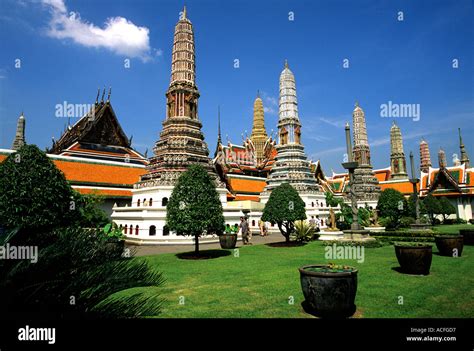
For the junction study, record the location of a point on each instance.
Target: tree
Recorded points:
(75, 271)
(446, 208)
(284, 207)
(194, 206)
(75, 277)
(34, 193)
(432, 207)
(392, 205)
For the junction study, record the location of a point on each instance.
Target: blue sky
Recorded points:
(70, 48)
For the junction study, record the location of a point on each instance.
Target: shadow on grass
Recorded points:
(285, 244)
(203, 255)
(399, 270)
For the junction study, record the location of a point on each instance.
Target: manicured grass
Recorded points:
(452, 228)
(262, 280)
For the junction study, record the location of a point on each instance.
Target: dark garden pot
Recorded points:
(228, 241)
(414, 259)
(329, 294)
(450, 245)
(468, 235)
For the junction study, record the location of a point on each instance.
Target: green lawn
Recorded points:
(452, 228)
(263, 280)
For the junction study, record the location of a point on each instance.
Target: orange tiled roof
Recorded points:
(382, 175)
(405, 187)
(87, 172)
(105, 192)
(99, 173)
(247, 185)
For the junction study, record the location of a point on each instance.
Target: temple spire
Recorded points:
(19, 140)
(397, 155)
(425, 158)
(184, 11)
(97, 97)
(103, 94)
(464, 155)
(259, 134)
(291, 164)
(110, 93)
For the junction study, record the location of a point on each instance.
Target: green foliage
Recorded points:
(75, 276)
(367, 244)
(194, 206)
(411, 203)
(112, 231)
(392, 205)
(446, 208)
(304, 231)
(363, 216)
(34, 193)
(432, 207)
(344, 217)
(331, 200)
(406, 221)
(90, 215)
(284, 207)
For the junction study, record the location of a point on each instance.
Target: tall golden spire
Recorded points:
(259, 134)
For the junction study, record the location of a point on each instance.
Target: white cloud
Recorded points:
(270, 104)
(118, 34)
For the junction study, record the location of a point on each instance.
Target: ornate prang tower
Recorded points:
(464, 156)
(181, 141)
(259, 134)
(425, 158)
(291, 165)
(397, 156)
(365, 185)
(19, 140)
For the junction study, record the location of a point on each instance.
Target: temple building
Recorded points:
(397, 156)
(19, 140)
(180, 145)
(456, 183)
(98, 135)
(291, 165)
(365, 184)
(90, 167)
(244, 168)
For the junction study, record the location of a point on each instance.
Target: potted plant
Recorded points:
(414, 258)
(114, 237)
(449, 245)
(468, 235)
(228, 239)
(329, 290)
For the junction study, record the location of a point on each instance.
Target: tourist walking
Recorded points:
(244, 228)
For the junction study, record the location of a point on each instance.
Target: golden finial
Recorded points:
(184, 11)
(286, 63)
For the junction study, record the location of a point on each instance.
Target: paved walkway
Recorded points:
(147, 250)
